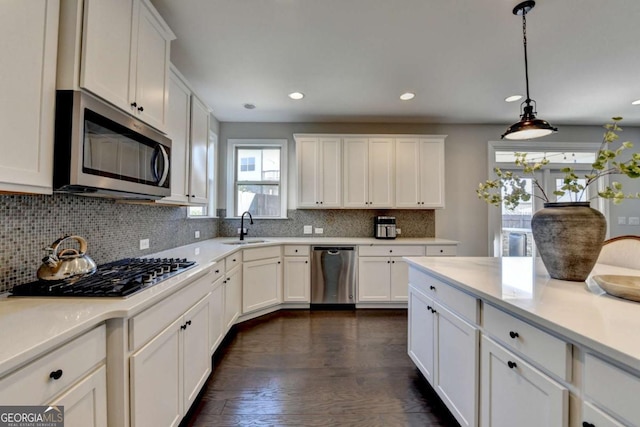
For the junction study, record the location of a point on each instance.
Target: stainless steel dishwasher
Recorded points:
(333, 275)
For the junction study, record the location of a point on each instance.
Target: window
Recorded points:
(257, 176)
(208, 210)
(510, 231)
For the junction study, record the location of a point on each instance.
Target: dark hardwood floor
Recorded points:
(319, 368)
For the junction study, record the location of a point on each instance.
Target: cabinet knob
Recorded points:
(588, 424)
(134, 104)
(441, 250)
(393, 262)
(511, 364)
(390, 251)
(278, 262)
(429, 308)
(188, 322)
(234, 260)
(193, 195)
(513, 335)
(433, 288)
(317, 203)
(306, 262)
(320, 202)
(140, 109)
(388, 262)
(56, 375)
(183, 327)
(296, 251)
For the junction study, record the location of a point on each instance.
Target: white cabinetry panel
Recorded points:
(29, 31)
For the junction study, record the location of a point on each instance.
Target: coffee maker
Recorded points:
(384, 227)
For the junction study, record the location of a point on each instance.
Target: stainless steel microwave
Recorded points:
(101, 151)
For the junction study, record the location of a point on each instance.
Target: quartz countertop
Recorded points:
(30, 326)
(579, 311)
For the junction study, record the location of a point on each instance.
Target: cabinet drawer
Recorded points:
(217, 270)
(548, 351)
(442, 250)
(296, 250)
(34, 384)
(460, 302)
(391, 250)
(152, 321)
(232, 260)
(260, 253)
(612, 388)
(593, 416)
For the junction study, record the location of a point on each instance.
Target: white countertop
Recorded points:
(31, 326)
(580, 311)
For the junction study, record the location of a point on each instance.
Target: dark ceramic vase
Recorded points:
(568, 238)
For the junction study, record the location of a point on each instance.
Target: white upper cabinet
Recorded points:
(178, 123)
(29, 34)
(319, 172)
(420, 173)
(118, 50)
(199, 171)
(368, 172)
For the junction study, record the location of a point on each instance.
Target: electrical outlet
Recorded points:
(398, 231)
(197, 251)
(308, 229)
(144, 244)
(197, 234)
(244, 230)
(319, 230)
(634, 220)
(622, 220)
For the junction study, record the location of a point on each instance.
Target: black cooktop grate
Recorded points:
(116, 279)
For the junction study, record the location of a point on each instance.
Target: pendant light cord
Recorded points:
(526, 62)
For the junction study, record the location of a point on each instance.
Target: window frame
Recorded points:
(232, 149)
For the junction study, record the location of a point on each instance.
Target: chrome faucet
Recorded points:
(242, 233)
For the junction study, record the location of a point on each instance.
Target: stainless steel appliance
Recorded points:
(101, 151)
(384, 227)
(333, 275)
(121, 278)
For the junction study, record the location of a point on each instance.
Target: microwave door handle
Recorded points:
(165, 169)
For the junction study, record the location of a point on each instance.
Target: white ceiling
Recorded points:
(353, 58)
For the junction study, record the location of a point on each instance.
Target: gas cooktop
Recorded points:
(121, 278)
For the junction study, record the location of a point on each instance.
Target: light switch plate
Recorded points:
(634, 220)
(319, 230)
(308, 229)
(622, 220)
(398, 231)
(197, 234)
(144, 244)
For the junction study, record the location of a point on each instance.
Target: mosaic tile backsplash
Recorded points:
(334, 222)
(112, 230)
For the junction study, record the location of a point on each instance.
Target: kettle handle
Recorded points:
(83, 244)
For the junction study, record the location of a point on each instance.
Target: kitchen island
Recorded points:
(504, 344)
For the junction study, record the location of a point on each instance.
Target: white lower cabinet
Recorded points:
(232, 297)
(85, 404)
(261, 278)
(594, 417)
(514, 393)
(297, 279)
(169, 371)
(216, 314)
(445, 349)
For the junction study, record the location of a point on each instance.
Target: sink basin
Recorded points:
(245, 242)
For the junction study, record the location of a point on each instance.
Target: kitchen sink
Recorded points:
(246, 242)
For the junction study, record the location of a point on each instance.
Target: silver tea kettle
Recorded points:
(66, 263)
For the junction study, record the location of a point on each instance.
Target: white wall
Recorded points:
(465, 216)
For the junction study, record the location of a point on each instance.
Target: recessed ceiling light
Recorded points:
(296, 95)
(636, 102)
(407, 96)
(249, 106)
(513, 98)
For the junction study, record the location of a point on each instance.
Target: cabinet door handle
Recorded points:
(188, 322)
(56, 375)
(217, 271)
(587, 424)
(433, 288)
(140, 108)
(513, 335)
(134, 104)
(429, 308)
(512, 364)
(183, 327)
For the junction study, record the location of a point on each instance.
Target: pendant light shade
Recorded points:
(529, 126)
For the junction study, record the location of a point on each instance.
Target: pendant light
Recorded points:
(529, 126)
